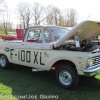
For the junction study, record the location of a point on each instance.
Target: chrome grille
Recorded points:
(96, 51)
(97, 60)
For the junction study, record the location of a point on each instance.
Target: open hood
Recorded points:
(85, 30)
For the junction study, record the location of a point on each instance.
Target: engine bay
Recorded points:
(85, 46)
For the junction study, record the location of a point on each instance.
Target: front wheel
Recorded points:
(67, 77)
(4, 63)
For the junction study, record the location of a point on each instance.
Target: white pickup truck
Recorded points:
(70, 53)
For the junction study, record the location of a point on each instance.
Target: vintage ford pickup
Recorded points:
(70, 53)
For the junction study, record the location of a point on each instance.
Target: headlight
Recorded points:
(90, 62)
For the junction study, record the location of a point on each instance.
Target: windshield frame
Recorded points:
(55, 33)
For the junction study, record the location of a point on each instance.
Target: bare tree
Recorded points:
(73, 19)
(38, 13)
(5, 20)
(24, 13)
(21, 9)
(54, 15)
(28, 14)
(50, 18)
(5, 17)
(70, 17)
(61, 18)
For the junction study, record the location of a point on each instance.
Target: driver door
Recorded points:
(30, 51)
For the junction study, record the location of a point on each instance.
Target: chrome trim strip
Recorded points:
(91, 70)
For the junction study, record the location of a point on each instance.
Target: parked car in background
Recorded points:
(96, 40)
(18, 35)
(9, 37)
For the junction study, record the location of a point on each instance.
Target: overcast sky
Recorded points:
(86, 9)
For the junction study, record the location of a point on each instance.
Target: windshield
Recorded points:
(54, 34)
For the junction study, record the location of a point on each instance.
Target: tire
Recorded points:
(4, 63)
(67, 77)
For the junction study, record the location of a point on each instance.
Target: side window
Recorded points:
(35, 35)
(47, 36)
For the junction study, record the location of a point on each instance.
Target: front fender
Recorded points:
(2, 52)
(57, 58)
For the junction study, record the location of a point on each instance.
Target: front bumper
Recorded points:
(91, 72)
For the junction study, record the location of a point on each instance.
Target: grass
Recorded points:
(21, 84)
(2, 32)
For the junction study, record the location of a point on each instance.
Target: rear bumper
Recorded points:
(92, 72)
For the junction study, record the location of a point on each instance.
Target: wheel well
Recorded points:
(59, 63)
(4, 55)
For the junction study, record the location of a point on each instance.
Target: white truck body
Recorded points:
(43, 52)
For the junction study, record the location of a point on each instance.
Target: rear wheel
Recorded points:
(67, 77)
(4, 63)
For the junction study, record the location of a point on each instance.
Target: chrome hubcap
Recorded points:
(65, 77)
(2, 61)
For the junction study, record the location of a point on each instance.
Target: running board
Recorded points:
(36, 70)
